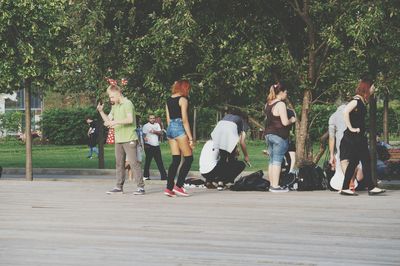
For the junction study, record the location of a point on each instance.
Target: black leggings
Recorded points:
(173, 169)
(355, 150)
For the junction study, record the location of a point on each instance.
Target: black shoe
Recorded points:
(376, 191)
(146, 178)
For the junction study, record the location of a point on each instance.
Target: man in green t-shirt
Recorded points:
(123, 119)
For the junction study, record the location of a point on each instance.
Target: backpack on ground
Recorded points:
(311, 177)
(194, 181)
(252, 182)
(288, 180)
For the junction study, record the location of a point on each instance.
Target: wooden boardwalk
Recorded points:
(75, 223)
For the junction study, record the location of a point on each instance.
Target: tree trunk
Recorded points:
(28, 134)
(302, 128)
(372, 137)
(322, 147)
(385, 117)
(101, 142)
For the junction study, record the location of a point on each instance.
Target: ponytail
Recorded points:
(271, 95)
(274, 90)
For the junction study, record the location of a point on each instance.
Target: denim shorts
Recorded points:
(277, 147)
(175, 128)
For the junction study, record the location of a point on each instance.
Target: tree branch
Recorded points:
(296, 7)
(320, 46)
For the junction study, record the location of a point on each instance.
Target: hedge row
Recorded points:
(66, 126)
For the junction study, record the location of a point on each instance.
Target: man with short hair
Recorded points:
(122, 119)
(151, 132)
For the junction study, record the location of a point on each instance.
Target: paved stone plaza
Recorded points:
(73, 222)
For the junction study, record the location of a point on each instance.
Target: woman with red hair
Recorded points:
(179, 138)
(354, 144)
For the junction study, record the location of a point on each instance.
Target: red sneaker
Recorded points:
(180, 191)
(169, 193)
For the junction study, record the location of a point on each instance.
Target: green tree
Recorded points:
(98, 35)
(30, 39)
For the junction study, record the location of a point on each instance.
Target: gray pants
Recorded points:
(127, 151)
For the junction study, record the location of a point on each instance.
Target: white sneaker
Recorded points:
(220, 186)
(278, 189)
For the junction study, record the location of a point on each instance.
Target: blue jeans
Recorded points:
(277, 147)
(93, 149)
(175, 128)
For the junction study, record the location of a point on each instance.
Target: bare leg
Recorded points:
(275, 174)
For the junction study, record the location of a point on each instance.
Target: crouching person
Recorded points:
(219, 168)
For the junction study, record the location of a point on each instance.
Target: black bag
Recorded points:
(194, 181)
(311, 177)
(252, 182)
(288, 180)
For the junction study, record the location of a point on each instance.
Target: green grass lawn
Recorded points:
(12, 154)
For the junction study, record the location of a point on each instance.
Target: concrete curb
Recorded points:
(83, 172)
(104, 173)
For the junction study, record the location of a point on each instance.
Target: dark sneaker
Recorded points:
(146, 178)
(376, 191)
(278, 189)
(115, 191)
(139, 191)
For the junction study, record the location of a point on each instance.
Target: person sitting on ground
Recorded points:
(215, 170)
(382, 156)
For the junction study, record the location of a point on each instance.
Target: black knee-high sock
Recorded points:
(173, 168)
(184, 170)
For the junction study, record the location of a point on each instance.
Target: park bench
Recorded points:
(393, 164)
(394, 155)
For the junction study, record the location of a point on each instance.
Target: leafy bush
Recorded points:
(320, 116)
(66, 126)
(11, 121)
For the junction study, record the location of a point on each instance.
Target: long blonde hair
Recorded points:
(274, 90)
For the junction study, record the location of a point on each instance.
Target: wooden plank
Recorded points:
(76, 223)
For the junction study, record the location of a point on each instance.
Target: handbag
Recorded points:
(110, 136)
